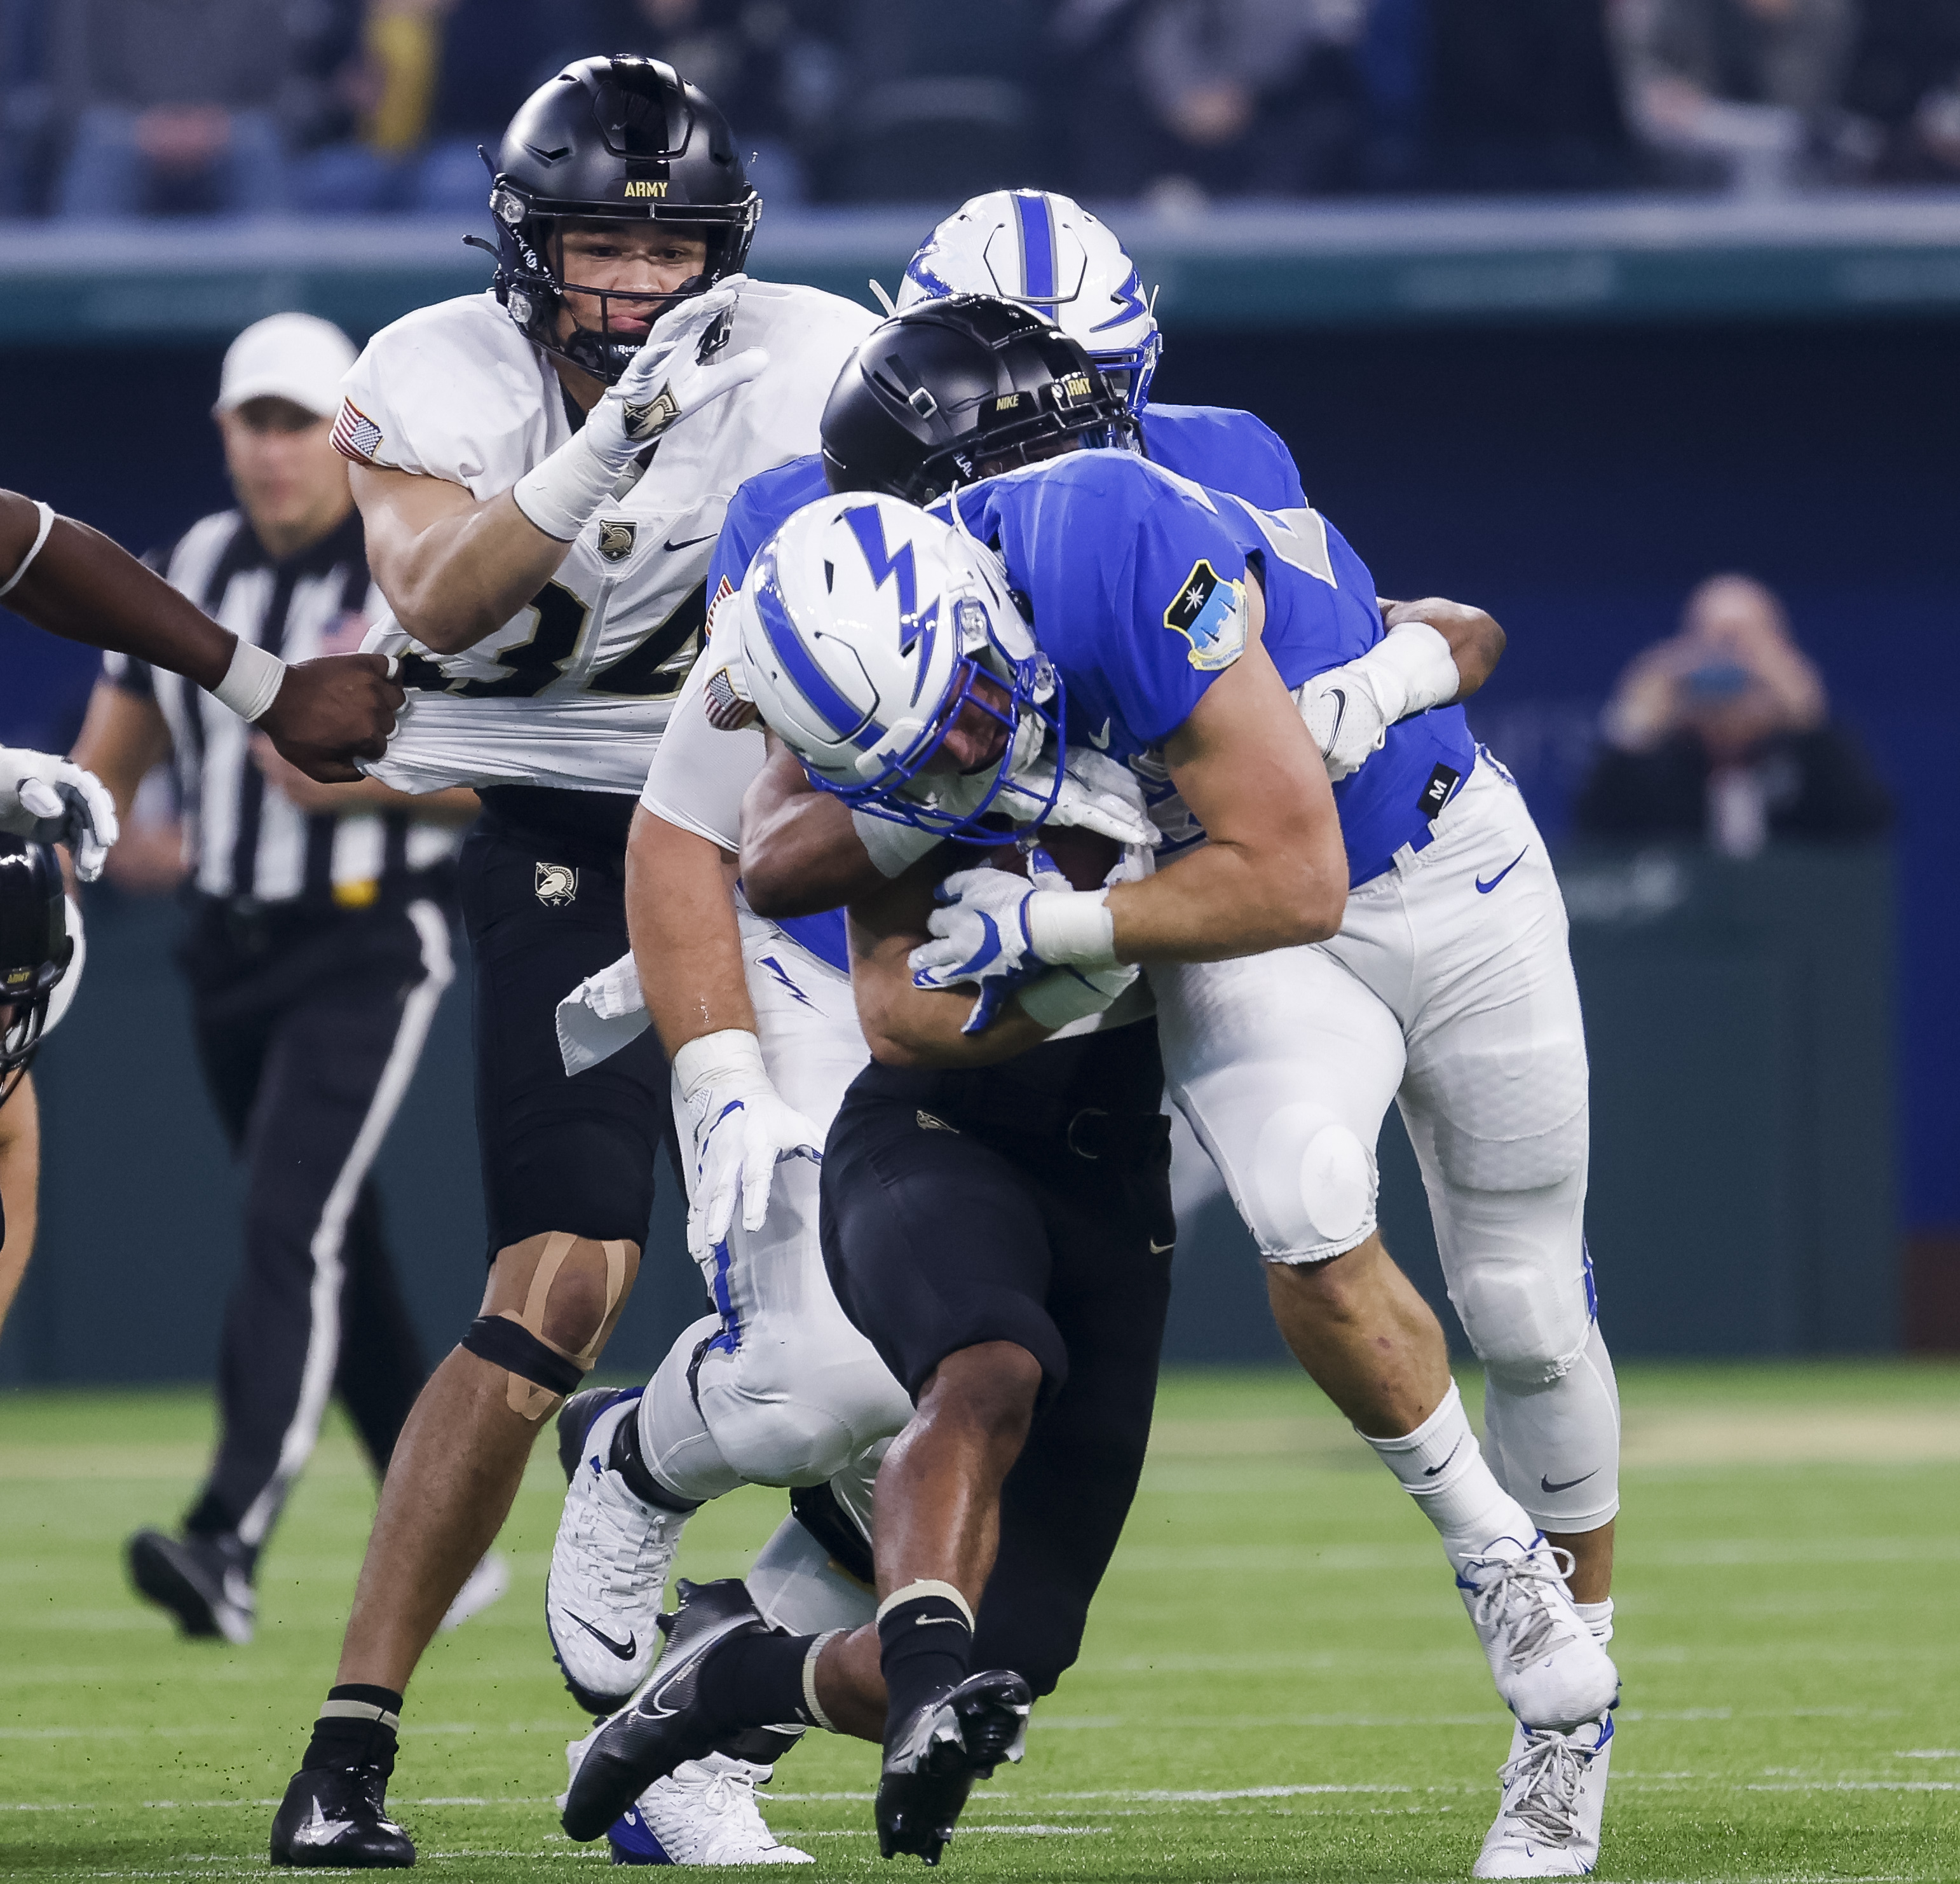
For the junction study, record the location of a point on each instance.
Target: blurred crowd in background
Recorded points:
(118, 108)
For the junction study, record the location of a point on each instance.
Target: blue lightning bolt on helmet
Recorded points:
(1049, 253)
(866, 627)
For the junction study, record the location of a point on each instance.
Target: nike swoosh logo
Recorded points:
(1341, 713)
(1163, 1248)
(626, 1650)
(1485, 889)
(670, 546)
(1429, 1472)
(1547, 1484)
(1100, 740)
(926, 1623)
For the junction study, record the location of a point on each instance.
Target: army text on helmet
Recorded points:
(952, 386)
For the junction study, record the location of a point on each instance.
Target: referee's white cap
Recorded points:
(298, 357)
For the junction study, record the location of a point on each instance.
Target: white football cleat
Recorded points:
(608, 1571)
(488, 1583)
(703, 1812)
(1555, 1796)
(1548, 1669)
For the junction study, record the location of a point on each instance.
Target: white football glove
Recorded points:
(742, 1129)
(48, 801)
(665, 382)
(1342, 719)
(1097, 793)
(1349, 709)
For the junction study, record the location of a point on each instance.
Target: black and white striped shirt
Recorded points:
(242, 838)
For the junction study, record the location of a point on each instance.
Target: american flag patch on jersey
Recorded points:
(355, 435)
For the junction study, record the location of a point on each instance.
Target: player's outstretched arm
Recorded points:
(84, 588)
(321, 715)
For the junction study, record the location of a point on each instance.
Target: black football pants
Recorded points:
(308, 1028)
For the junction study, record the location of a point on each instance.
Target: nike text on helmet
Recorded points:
(35, 949)
(1049, 253)
(865, 627)
(934, 394)
(620, 140)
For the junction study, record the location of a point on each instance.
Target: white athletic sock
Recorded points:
(1441, 1466)
(1598, 1618)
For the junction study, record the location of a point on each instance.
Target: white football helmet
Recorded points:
(864, 623)
(1049, 253)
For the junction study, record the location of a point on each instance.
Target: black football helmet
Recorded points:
(35, 951)
(625, 140)
(950, 385)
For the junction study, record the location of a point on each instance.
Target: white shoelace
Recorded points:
(1547, 1773)
(1519, 1593)
(629, 1538)
(726, 1797)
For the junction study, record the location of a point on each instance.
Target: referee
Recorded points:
(317, 950)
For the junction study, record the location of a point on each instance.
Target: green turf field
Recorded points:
(1279, 1681)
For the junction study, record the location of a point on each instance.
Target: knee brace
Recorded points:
(574, 1288)
(1316, 1183)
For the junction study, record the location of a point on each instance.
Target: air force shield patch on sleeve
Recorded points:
(1209, 612)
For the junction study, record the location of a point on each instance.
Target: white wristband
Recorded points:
(1412, 669)
(893, 847)
(717, 1059)
(253, 681)
(562, 495)
(1073, 926)
(47, 511)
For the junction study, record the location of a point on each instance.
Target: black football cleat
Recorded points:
(205, 1582)
(665, 1723)
(338, 1815)
(931, 1763)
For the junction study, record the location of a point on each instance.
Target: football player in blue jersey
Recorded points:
(1439, 990)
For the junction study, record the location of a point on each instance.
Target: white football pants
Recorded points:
(778, 1388)
(1450, 989)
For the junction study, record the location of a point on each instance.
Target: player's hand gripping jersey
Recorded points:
(1135, 580)
(573, 691)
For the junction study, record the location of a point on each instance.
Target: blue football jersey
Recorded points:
(1134, 579)
(1229, 449)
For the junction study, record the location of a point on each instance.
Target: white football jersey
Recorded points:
(574, 690)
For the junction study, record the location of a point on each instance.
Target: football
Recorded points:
(1085, 857)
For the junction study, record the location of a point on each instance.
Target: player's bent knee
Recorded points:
(1526, 1334)
(550, 1303)
(1316, 1188)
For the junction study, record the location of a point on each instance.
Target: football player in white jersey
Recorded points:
(541, 471)
(1449, 989)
